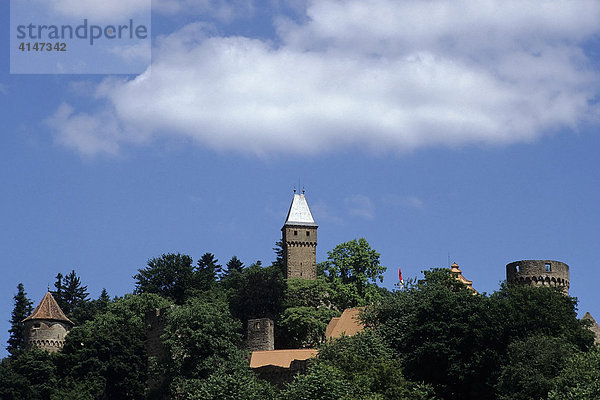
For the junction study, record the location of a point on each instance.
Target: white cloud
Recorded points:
(374, 74)
(360, 206)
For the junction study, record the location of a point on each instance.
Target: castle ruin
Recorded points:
(539, 273)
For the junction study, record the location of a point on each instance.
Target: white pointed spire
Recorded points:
(299, 213)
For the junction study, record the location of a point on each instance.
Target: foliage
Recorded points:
(369, 365)
(443, 334)
(108, 353)
(458, 342)
(72, 297)
(580, 378)
(204, 358)
(307, 293)
(532, 365)
(260, 293)
(206, 273)
(28, 375)
(170, 275)
(322, 382)
(526, 311)
(353, 268)
(233, 267)
(240, 384)
(22, 309)
(305, 326)
(357, 367)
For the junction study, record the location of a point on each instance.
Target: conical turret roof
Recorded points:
(299, 213)
(48, 309)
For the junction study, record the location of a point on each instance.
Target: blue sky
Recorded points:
(433, 129)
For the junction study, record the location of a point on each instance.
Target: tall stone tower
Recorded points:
(539, 273)
(47, 326)
(300, 240)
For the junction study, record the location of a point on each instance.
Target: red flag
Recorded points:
(400, 274)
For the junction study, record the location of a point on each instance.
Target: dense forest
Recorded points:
(431, 338)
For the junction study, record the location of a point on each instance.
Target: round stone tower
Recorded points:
(539, 273)
(47, 326)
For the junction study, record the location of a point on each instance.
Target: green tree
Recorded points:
(170, 275)
(30, 375)
(22, 309)
(234, 264)
(307, 311)
(204, 360)
(370, 367)
(526, 311)
(207, 271)
(532, 365)
(458, 342)
(304, 326)
(108, 353)
(74, 293)
(260, 293)
(73, 298)
(443, 334)
(580, 378)
(353, 268)
(279, 262)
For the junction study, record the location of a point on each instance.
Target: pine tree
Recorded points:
(74, 293)
(58, 293)
(207, 271)
(102, 301)
(234, 265)
(23, 308)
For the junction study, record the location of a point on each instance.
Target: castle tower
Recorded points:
(457, 274)
(261, 336)
(300, 240)
(47, 326)
(539, 273)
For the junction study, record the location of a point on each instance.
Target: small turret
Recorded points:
(47, 326)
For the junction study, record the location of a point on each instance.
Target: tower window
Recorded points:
(307, 233)
(37, 325)
(295, 233)
(548, 267)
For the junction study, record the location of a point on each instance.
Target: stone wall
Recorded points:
(300, 251)
(279, 375)
(539, 273)
(46, 335)
(260, 335)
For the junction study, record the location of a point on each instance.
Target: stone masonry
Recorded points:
(539, 273)
(260, 335)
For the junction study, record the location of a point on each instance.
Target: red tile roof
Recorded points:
(280, 358)
(48, 309)
(347, 324)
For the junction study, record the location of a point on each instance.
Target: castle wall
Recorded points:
(46, 335)
(260, 335)
(300, 248)
(538, 273)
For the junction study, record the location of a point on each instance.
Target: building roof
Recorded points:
(49, 310)
(280, 358)
(457, 273)
(347, 324)
(299, 213)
